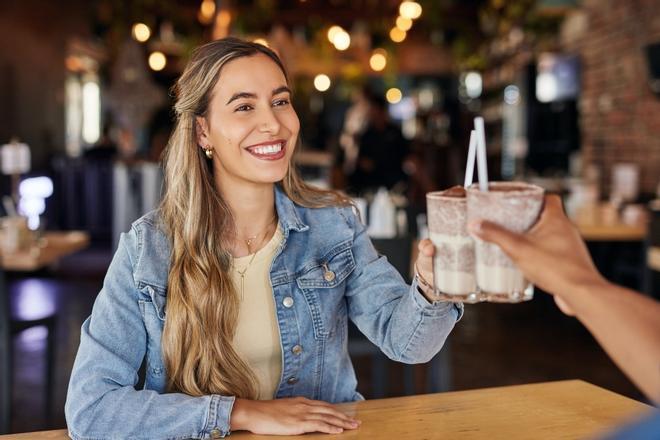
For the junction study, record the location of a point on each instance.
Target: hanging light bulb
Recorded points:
(342, 40)
(157, 61)
(410, 9)
(206, 12)
(403, 23)
(333, 32)
(378, 60)
(141, 32)
(393, 95)
(322, 82)
(397, 35)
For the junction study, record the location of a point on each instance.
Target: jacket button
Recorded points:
(292, 380)
(329, 275)
(287, 302)
(297, 349)
(215, 433)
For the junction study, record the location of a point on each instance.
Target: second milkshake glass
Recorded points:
(514, 206)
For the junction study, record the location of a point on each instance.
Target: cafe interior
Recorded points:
(568, 92)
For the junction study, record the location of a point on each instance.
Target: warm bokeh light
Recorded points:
(411, 10)
(397, 35)
(322, 82)
(157, 61)
(206, 12)
(332, 33)
(378, 60)
(141, 32)
(261, 41)
(342, 40)
(393, 95)
(403, 23)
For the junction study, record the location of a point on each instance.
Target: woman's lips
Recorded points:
(273, 151)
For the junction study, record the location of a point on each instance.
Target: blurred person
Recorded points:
(382, 150)
(355, 122)
(235, 294)
(105, 149)
(553, 256)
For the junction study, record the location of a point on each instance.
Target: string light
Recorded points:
(322, 82)
(332, 33)
(157, 61)
(378, 60)
(342, 40)
(393, 95)
(397, 35)
(403, 23)
(141, 32)
(410, 9)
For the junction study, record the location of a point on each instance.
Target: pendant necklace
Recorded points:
(248, 242)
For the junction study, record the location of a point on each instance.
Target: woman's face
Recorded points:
(251, 124)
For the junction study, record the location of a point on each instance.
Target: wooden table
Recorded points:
(48, 250)
(553, 410)
(613, 232)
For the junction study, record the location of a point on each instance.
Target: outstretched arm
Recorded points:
(554, 257)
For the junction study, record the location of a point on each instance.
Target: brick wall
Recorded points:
(619, 114)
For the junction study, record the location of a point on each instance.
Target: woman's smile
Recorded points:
(269, 150)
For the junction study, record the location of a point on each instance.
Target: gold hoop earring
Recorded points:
(209, 152)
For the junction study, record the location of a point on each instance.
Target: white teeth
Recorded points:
(269, 149)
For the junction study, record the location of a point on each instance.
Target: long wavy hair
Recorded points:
(202, 305)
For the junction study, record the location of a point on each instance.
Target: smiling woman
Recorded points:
(235, 295)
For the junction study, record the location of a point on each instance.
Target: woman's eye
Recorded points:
(281, 102)
(243, 108)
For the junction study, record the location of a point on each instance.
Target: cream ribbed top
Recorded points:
(257, 338)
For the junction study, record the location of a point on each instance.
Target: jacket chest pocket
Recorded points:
(323, 286)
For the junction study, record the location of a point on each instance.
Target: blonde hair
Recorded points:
(202, 305)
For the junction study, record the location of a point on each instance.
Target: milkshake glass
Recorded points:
(453, 262)
(516, 207)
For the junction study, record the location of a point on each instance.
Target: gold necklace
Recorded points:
(248, 243)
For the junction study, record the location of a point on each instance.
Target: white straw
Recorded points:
(9, 206)
(469, 166)
(482, 168)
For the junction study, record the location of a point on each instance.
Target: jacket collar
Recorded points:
(287, 212)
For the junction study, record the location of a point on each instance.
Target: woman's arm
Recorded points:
(102, 401)
(553, 256)
(393, 315)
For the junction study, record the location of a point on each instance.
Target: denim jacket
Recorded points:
(126, 326)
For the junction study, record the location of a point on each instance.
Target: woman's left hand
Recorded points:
(424, 267)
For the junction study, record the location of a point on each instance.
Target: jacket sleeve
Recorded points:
(393, 315)
(102, 401)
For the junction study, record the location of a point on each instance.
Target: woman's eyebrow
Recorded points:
(249, 95)
(239, 95)
(281, 89)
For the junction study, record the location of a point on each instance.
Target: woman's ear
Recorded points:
(201, 131)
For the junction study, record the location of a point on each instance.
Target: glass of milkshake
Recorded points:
(453, 262)
(514, 206)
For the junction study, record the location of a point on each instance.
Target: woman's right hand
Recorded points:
(290, 416)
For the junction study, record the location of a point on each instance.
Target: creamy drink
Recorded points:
(453, 263)
(515, 206)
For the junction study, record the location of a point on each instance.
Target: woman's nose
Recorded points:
(269, 122)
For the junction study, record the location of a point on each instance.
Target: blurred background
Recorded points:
(386, 92)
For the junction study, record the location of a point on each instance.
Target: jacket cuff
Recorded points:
(217, 421)
(435, 308)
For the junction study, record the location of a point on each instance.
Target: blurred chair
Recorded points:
(438, 376)
(10, 327)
